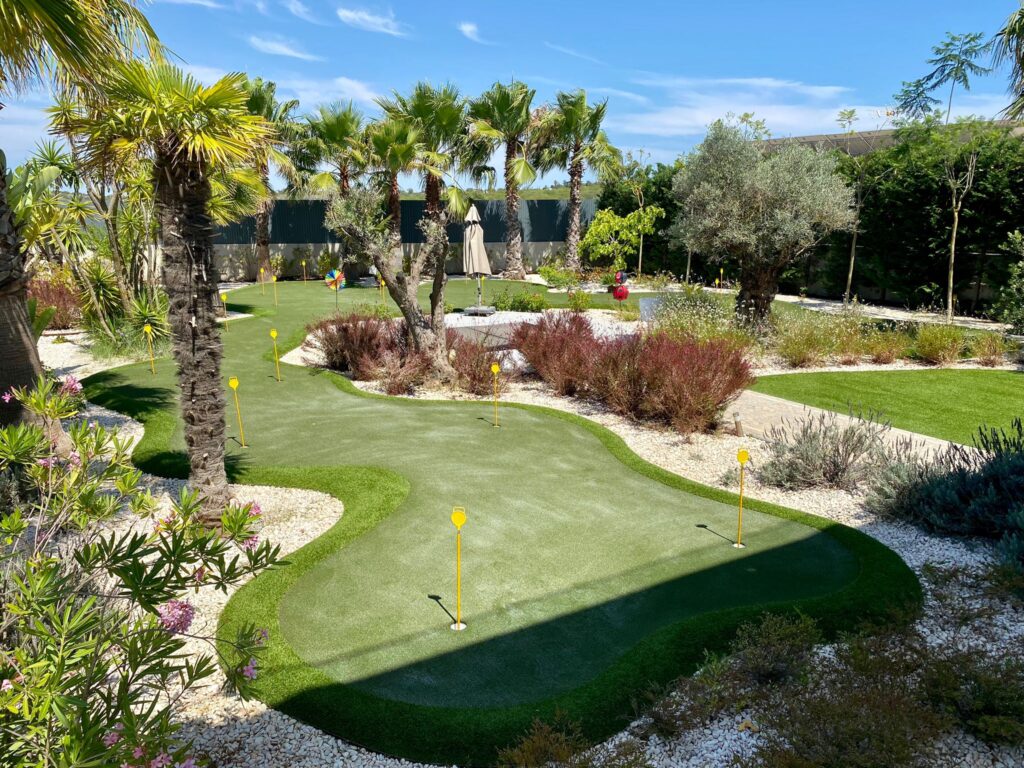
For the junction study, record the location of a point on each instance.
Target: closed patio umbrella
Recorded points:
(474, 255)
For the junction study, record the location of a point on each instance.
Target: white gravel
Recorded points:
(235, 733)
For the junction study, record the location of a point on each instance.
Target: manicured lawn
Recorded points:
(946, 403)
(588, 573)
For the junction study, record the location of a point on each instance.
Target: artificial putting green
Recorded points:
(588, 573)
(942, 402)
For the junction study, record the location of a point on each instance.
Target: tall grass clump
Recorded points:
(939, 344)
(990, 348)
(804, 340)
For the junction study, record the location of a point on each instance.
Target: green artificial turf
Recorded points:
(945, 403)
(589, 574)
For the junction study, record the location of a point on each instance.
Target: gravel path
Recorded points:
(236, 733)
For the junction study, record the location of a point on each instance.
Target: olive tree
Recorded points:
(759, 205)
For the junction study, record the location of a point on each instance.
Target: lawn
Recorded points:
(588, 574)
(946, 403)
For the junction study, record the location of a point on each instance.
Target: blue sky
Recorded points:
(667, 68)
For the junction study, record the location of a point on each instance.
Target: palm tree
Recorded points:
(278, 115)
(395, 147)
(571, 138)
(333, 138)
(955, 61)
(1009, 47)
(503, 115)
(191, 132)
(71, 38)
(441, 118)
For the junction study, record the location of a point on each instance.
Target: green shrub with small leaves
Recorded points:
(578, 300)
(520, 301)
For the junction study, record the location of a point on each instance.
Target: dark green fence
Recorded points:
(302, 221)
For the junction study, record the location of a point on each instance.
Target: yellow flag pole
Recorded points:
(495, 368)
(303, 270)
(148, 330)
(263, 283)
(743, 456)
(277, 363)
(273, 281)
(233, 383)
(224, 301)
(458, 519)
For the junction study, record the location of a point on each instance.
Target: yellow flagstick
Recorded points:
(224, 301)
(263, 283)
(148, 330)
(380, 285)
(277, 364)
(721, 276)
(742, 457)
(233, 383)
(458, 520)
(303, 270)
(273, 281)
(495, 368)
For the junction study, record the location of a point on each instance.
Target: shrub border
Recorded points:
(884, 587)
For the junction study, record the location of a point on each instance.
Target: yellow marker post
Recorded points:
(273, 281)
(483, 287)
(380, 285)
(224, 302)
(742, 457)
(263, 282)
(277, 364)
(303, 270)
(458, 520)
(495, 369)
(148, 330)
(721, 275)
(233, 383)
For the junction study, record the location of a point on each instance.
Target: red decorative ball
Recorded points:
(621, 293)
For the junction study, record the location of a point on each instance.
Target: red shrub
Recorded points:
(355, 342)
(397, 371)
(472, 362)
(561, 348)
(616, 376)
(60, 296)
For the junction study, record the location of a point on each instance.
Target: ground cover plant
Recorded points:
(683, 382)
(418, 689)
(930, 402)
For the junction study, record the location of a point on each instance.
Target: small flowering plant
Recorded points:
(97, 596)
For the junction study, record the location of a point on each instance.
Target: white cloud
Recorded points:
(372, 22)
(472, 31)
(203, 3)
(300, 10)
(621, 94)
(313, 92)
(204, 74)
(279, 47)
(759, 84)
(572, 52)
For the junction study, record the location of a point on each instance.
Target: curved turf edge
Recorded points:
(884, 587)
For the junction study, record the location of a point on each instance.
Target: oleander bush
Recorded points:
(93, 662)
(939, 344)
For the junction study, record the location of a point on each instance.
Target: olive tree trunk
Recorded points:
(572, 235)
(758, 285)
(514, 269)
(182, 197)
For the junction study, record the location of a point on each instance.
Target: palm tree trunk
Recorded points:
(263, 211)
(182, 197)
(19, 358)
(514, 269)
(572, 235)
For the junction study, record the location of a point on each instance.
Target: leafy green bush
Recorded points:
(819, 452)
(557, 277)
(939, 344)
(578, 300)
(94, 624)
(775, 649)
(1009, 304)
(990, 348)
(519, 301)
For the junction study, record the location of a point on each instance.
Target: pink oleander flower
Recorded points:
(255, 510)
(251, 543)
(71, 386)
(111, 738)
(249, 670)
(6, 685)
(7, 397)
(74, 460)
(138, 752)
(47, 462)
(176, 616)
(264, 636)
(199, 574)
(160, 761)
(187, 763)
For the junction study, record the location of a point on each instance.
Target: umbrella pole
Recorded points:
(479, 291)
